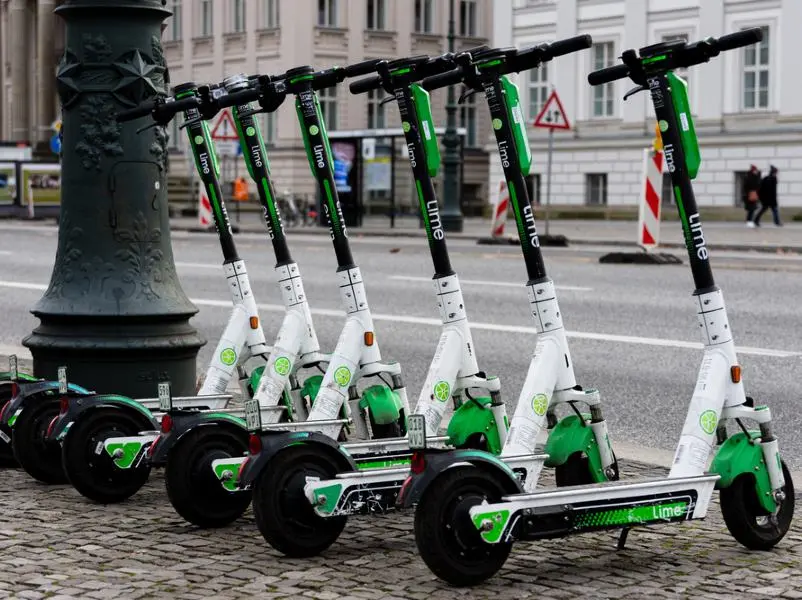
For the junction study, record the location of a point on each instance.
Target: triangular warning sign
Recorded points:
(224, 128)
(552, 115)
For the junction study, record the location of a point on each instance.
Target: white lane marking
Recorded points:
(581, 335)
(572, 288)
(192, 265)
(6, 252)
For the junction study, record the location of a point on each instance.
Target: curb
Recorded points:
(482, 239)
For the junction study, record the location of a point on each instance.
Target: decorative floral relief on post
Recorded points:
(68, 257)
(159, 147)
(143, 257)
(100, 132)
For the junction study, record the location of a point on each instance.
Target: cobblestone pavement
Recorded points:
(54, 544)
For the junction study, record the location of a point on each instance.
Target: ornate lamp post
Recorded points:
(114, 311)
(452, 212)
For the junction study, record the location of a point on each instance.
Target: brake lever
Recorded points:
(189, 122)
(387, 100)
(635, 90)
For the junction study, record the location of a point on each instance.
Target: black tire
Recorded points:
(7, 459)
(94, 475)
(748, 521)
(284, 516)
(194, 491)
(447, 541)
(576, 471)
(40, 459)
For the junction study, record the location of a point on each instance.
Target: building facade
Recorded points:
(31, 43)
(745, 103)
(207, 40)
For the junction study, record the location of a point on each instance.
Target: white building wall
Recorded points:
(731, 139)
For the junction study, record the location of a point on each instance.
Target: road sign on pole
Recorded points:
(552, 116)
(224, 128)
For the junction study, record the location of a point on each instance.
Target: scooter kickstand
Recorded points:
(622, 538)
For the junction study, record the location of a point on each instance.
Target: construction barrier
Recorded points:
(499, 218)
(651, 200)
(204, 209)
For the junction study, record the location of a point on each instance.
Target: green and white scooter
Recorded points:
(104, 437)
(756, 491)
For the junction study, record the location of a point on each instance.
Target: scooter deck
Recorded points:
(376, 490)
(609, 505)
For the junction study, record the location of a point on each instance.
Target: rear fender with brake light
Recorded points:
(28, 394)
(273, 442)
(439, 460)
(76, 406)
(185, 421)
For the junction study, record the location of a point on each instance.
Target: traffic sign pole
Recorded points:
(548, 177)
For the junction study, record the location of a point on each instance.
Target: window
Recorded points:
(467, 118)
(328, 107)
(270, 14)
(538, 89)
(268, 127)
(327, 13)
(424, 16)
(756, 73)
(173, 31)
(596, 189)
(533, 188)
(603, 94)
(237, 16)
(376, 12)
(206, 28)
(377, 118)
(467, 18)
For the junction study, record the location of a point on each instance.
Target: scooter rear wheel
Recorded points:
(748, 521)
(284, 515)
(40, 459)
(88, 466)
(7, 459)
(194, 491)
(447, 541)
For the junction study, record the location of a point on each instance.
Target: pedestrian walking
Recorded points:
(768, 197)
(750, 193)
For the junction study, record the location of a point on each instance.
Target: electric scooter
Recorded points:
(103, 438)
(756, 490)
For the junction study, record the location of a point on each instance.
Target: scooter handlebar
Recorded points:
(435, 82)
(608, 74)
(362, 86)
(238, 98)
(739, 39)
(362, 68)
(143, 110)
(567, 46)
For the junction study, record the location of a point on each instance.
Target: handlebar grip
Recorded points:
(608, 74)
(238, 98)
(574, 44)
(143, 110)
(435, 82)
(362, 86)
(738, 39)
(362, 68)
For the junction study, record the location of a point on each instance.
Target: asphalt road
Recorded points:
(632, 328)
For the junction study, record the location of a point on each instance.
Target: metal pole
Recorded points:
(114, 313)
(548, 177)
(451, 214)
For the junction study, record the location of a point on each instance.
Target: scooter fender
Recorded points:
(571, 435)
(383, 404)
(80, 405)
(739, 455)
(29, 394)
(275, 442)
(438, 461)
(186, 421)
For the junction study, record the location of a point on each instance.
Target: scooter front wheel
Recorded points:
(447, 540)
(577, 471)
(748, 521)
(89, 468)
(194, 491)
(283, 513)
(40, 459)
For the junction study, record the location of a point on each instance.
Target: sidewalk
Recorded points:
(719, 235)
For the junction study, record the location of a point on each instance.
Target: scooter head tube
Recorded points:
(208, 167)
(650, 68)
(302, 83)
(255, 155)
